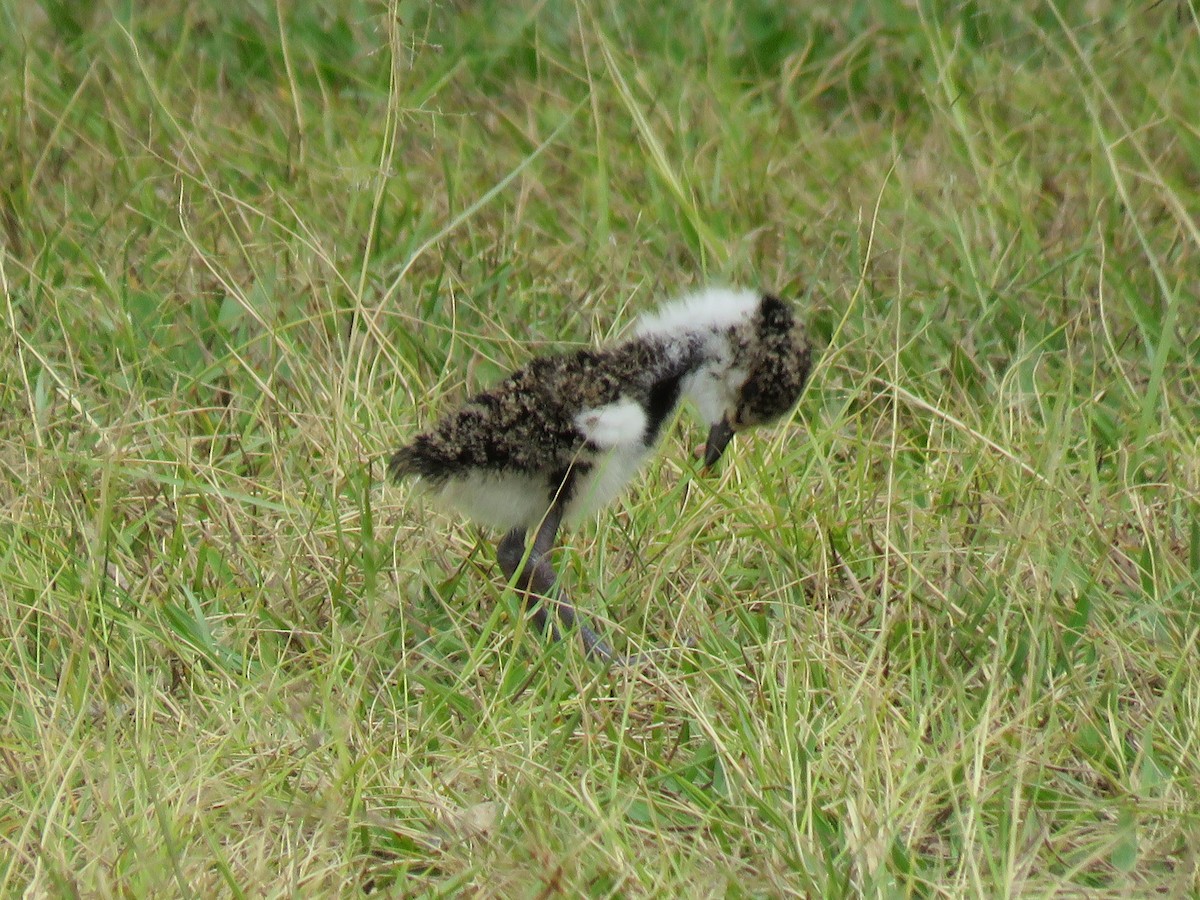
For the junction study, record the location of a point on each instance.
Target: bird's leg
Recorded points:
(509, 553)
(542, 580)
(537, 580)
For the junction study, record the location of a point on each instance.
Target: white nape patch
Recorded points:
(711, 309)
(619, 424)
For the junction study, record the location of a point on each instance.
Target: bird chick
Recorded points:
(561, 437)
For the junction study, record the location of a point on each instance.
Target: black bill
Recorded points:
(719, 437)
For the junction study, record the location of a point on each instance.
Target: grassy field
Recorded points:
(947, 615)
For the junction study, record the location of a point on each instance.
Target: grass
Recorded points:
(947, 616)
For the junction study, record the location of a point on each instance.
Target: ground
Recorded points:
(945, 616)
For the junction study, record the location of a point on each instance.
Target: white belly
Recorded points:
(609, 475)
(500, 501)
(503, 501)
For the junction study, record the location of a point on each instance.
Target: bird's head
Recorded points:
(761, 377)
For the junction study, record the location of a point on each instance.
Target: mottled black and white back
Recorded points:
(575, 427)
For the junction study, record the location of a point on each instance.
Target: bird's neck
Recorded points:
(701, 363)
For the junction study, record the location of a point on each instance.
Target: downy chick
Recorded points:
(561, 437)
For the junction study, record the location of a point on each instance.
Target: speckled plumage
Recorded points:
(560, 437)
(526, 423)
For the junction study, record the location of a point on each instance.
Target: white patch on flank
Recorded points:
(711, 309)
(619, 424)
(620, 429)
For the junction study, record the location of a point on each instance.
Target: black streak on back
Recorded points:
(664, 397)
